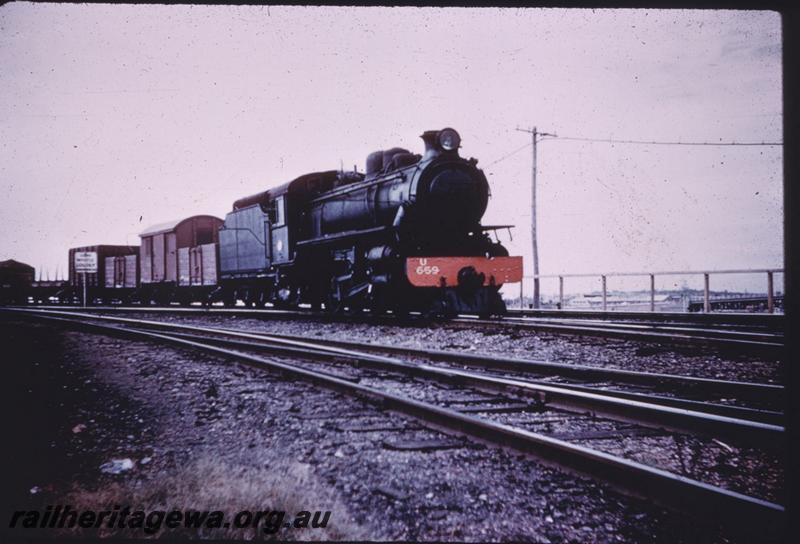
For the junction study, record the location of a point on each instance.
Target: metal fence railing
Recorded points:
(707, 306)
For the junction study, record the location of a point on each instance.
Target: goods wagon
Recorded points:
(178, 260)
(97, 283)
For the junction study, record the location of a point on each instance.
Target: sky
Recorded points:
(115, 117)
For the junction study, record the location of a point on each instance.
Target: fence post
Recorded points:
(521, 285)
(604, 293)
(706, 301)
(770, 294)
(561, 292)
(652, 292)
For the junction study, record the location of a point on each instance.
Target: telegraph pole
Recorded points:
(535, 138)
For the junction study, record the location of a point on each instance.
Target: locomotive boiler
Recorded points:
(406, 235)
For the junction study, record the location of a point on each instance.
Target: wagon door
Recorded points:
(159, 261)
(171, 258)
(109, 282)
(184, 267)
(146, 259)
(119, 271)
(130, 271)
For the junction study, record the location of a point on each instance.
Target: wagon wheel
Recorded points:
(377, 301)
(333, 299)
(229, 301)
(290, 301)
(356, 306)
(333, 305)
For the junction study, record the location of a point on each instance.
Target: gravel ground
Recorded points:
(203, 432)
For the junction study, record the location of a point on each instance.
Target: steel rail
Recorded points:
(717, 333)
(755, 322)
(717, 337)
(744, 512)
(751, 322)
(610, 332)
(732, 411)
(689, 329)
(754, 319)
(605, 404)
(583, 372)
(320, 349)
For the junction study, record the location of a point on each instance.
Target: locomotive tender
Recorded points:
(404, 236)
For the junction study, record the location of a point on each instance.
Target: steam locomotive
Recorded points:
(404, 236)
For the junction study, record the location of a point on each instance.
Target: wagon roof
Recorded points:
(169, 226)
(11, 263)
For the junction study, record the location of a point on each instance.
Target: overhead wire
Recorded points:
(637, 142)
(655, 142)
(504, 157)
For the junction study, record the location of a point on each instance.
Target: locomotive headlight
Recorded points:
(449, 139)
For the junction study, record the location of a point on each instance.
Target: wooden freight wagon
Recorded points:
(98, 283)
(178, 260)
(96, 279)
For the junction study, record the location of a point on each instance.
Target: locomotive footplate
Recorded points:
(468, 285)
(444, 271)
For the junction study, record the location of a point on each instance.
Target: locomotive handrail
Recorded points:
(706, 275)
(342, 235)
(342, 189)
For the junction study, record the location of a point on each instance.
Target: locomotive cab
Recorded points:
(260, 260)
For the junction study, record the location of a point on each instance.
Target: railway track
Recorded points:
(675, 413)
(763, 398)
(729, 320)
(599, 377)
(512, 409)
(670, 334)
(767, 339)
(707, 331)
